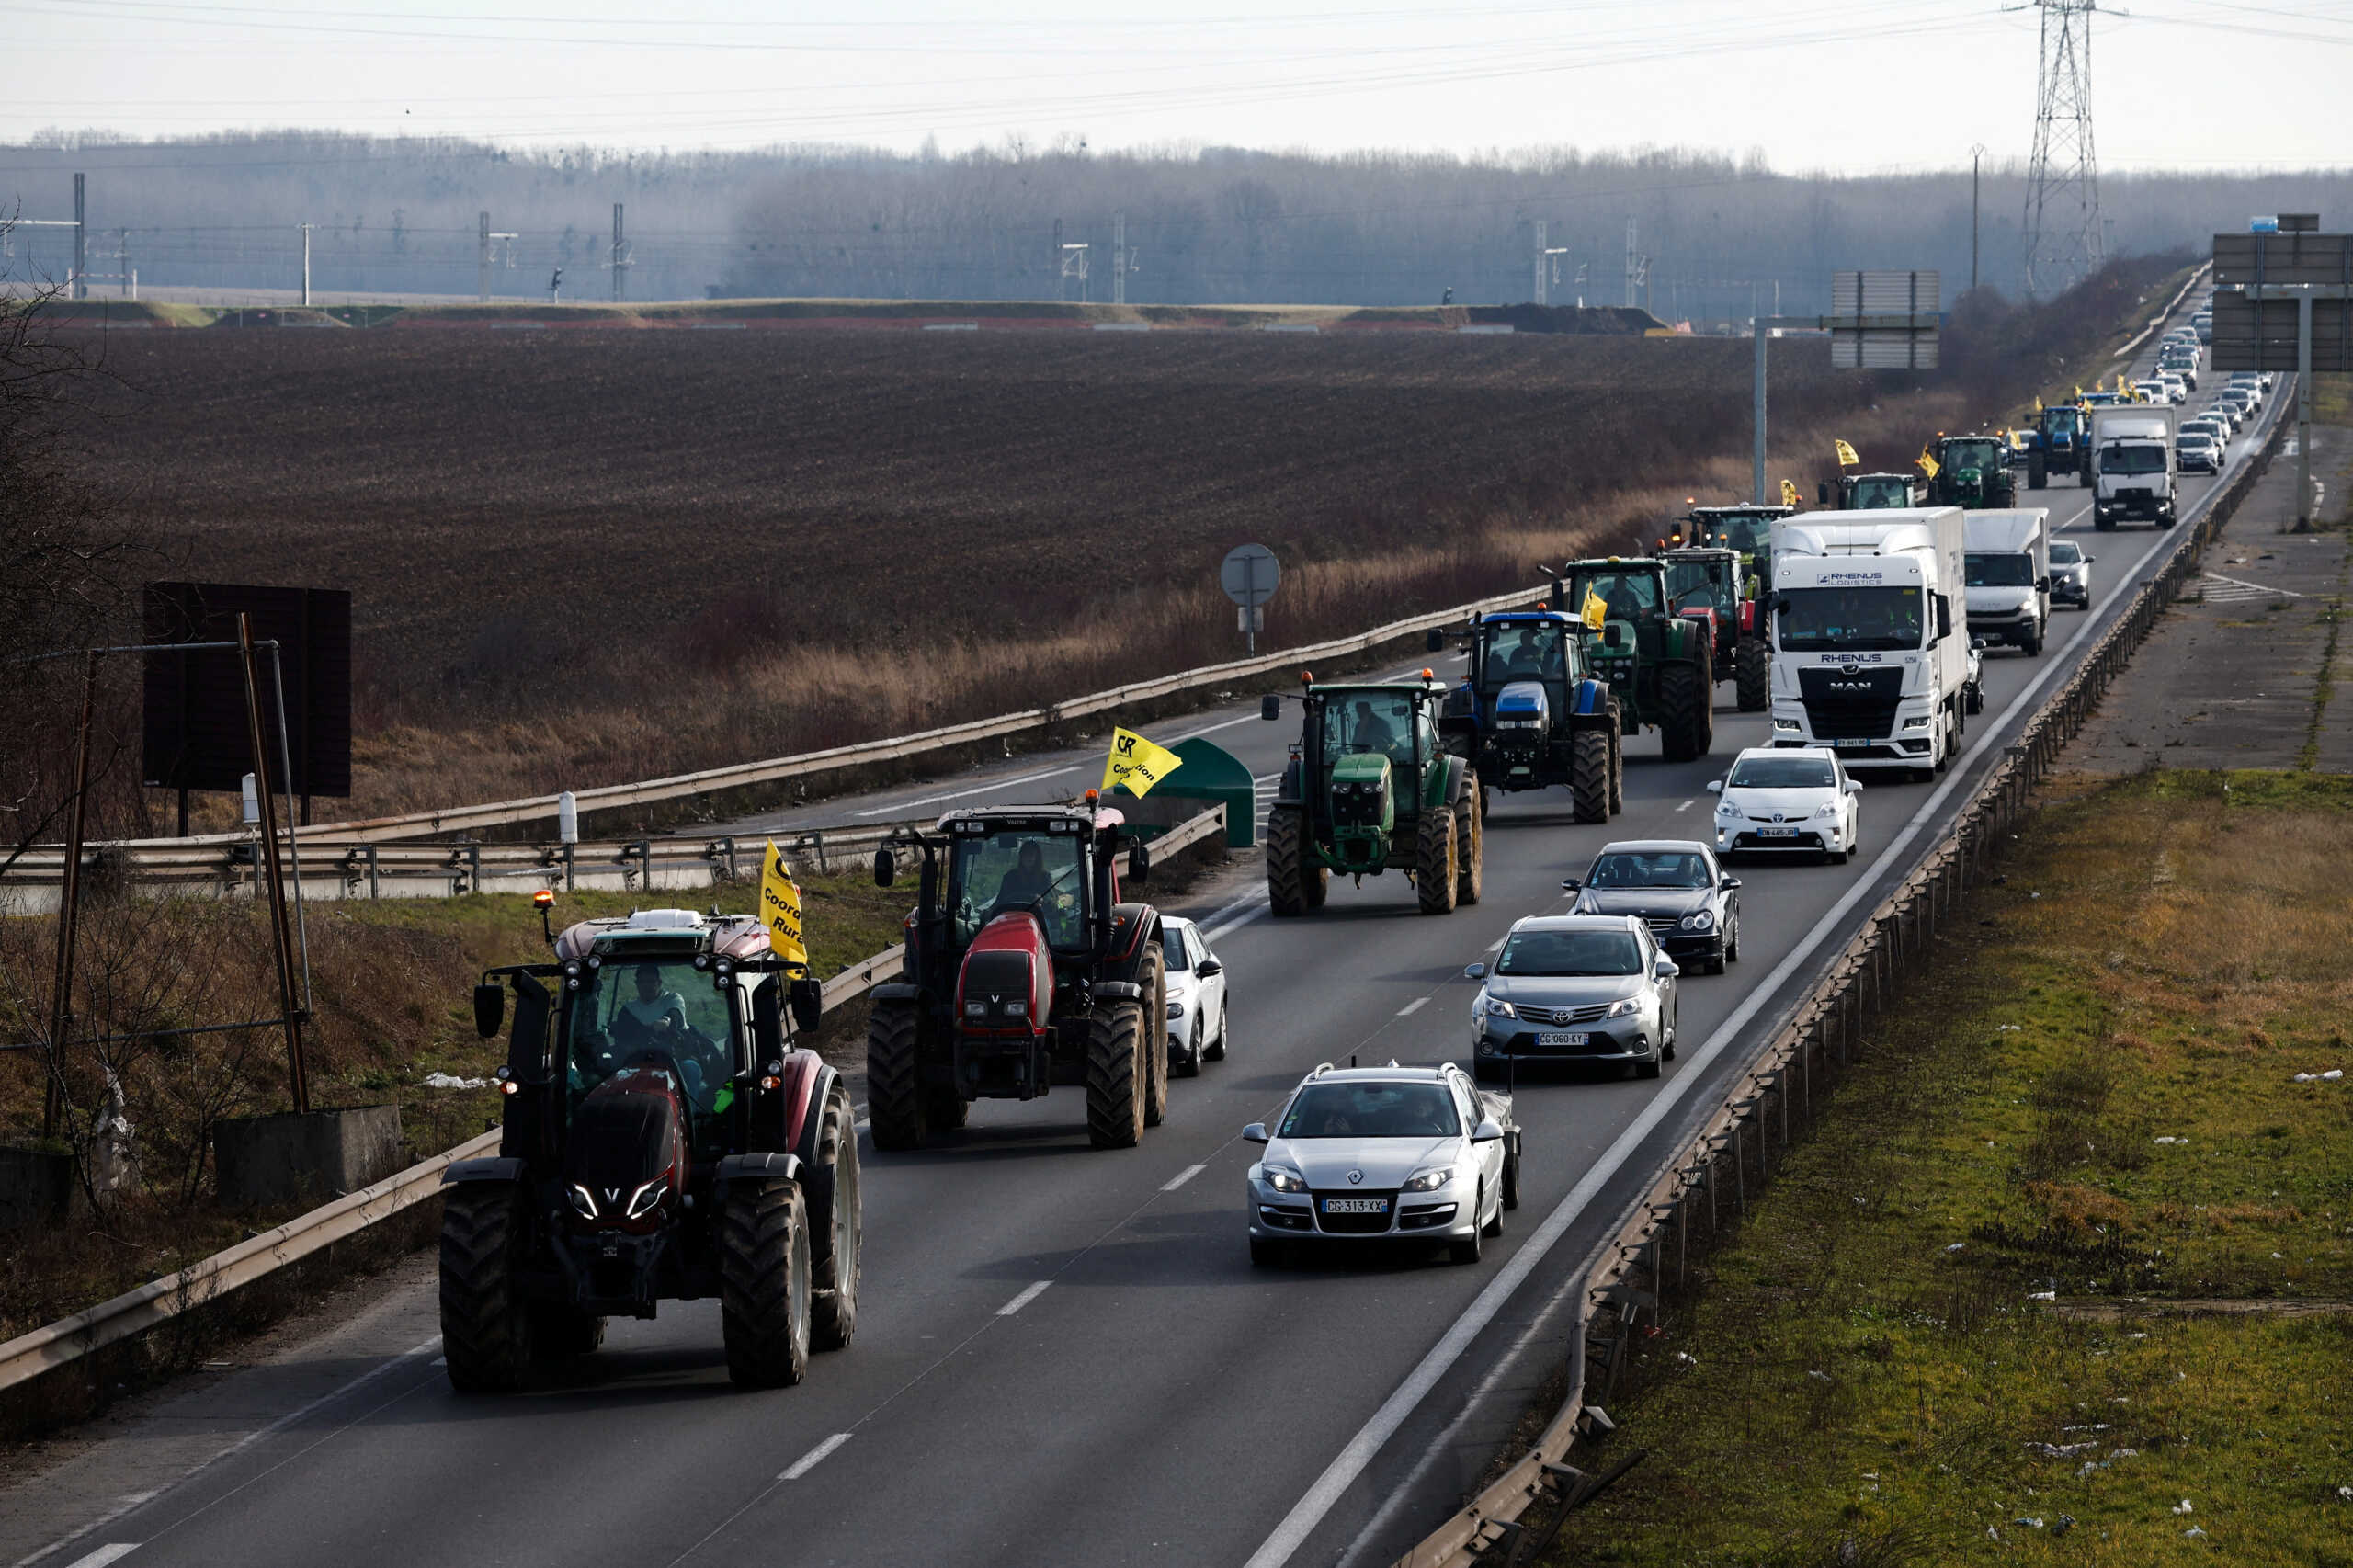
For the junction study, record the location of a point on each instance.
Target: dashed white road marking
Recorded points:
(1687, 805)
(1415, 1005)
(1029, 1294)
(113, 1552)
(1181, 1178)
(814, 1457)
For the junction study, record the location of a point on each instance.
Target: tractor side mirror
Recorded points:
(1821, 494)
(527, 1047)
(886, 868)
(1434, 642)
(1254, 1133)
(807, 1000)
(490, 1008)
(1270, 707)
(1139, 864)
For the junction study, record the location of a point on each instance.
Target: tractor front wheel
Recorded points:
(486, 1325)
(1470, 847)
(1686, 719)
(1116, 1066)
(1434, 868)
(763, 1282)
(1753, 667)
(894, 1094)
(1589, 775)
(2036, 475)
(838, 1239)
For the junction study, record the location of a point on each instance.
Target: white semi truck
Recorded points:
(2132, 464)
(2008, 576)
(1870, 644)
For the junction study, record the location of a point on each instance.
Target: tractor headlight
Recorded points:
(1282, 1179)
(1496, 1007)
(977, 1009)
(584, 1202)
(1702, 920)
(1017, 1009)
(1429, 1180)
(646, 1200)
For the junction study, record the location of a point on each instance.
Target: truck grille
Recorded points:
(1850, 705)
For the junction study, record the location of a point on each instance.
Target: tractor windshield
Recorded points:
(997, 873)
(1975, 454)
(2063, 420)
(1702, 584)
(1378, 721)
(1881, 492)
(1746, 532)
(1528, 649)
(1624, 595)
(657, 1013)
(1837, 620)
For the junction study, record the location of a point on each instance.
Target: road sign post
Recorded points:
(1877, 320)
(1249, 574)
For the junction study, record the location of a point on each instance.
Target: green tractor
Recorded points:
(1369, 788)
(1658, 654)
(1971, 471)
(1873, 491)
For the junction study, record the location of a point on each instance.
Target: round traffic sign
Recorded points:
(1250, 575)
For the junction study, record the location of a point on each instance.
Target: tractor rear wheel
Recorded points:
(2037, 474)
(894, 1096)
(1289, 875)
(1753, 667)
(1589, 775)
(763, 1282)
(1115, 1071)
(486, 1339)
(1685, 719)
(837, 1239)
(1470, 847)
(1434, 868)
(1154, 981)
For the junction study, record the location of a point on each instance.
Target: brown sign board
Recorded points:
(2283, 258)
(1884, 320)
(2251, 335)
(195, 729)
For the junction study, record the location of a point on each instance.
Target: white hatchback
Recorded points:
(1788, 799)
(1197, 1022)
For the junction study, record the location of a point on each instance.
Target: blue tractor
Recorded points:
(2059, 441)
(1531, 715)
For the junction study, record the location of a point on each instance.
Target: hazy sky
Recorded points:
(1869, 84)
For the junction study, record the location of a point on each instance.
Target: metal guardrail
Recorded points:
(45, 1349)
(1823, 1031)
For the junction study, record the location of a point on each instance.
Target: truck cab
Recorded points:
(2007, 572)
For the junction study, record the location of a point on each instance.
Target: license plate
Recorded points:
(1854, 742)
(1356, 1206)
(1557, 1037)
(1777, 832)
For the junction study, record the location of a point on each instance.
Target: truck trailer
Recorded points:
(1871, 651)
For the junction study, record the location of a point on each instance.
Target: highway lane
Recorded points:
(1158, 1399)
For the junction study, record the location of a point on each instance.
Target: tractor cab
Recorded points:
(1748, 530)
(1971, 471)
(1877, 492)
(1624, 606)
(1697, 577)
(1372, 745)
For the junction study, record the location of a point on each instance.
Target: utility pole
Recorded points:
(306, 264)
(2064, 237)
(1541, 256)
(1632, 265)
(621, 258)
(1058, 258)
(1119, 258)
(81, 237)
(1976, 153)
(481, 265)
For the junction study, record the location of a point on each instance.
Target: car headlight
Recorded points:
(1625, 1007)
(1429, 1180)
(1283, 1179)
(1729, 811)
(1701, 920)
(1828, 809)
(1176, 1010)
(1495, 1007)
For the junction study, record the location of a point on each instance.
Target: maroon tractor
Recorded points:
(664, 1139)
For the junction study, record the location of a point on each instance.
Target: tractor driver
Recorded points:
(1371, 732)
(1028, 881)
(652, 1014)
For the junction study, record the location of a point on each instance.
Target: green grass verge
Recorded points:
(2096, 1099)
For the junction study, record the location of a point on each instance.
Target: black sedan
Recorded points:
(1677, 889)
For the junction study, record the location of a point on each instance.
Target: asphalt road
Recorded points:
(1064, 1356)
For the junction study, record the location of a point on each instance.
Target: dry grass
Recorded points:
(2166, 956)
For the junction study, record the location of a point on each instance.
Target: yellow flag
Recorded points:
(1847, 458)
(780, 908)
(1593, 612)
(1789, 492)
(1928, 465)
(2079, 394)
(1137, 763)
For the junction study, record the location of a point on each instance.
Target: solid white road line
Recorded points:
(1240, 912)
(1415, 1005)
(1209, 730)
(960, 794)
(1342, 1472)
(1181, 1178)
(112, 1551)
(1029, 1294)
(814, 1457)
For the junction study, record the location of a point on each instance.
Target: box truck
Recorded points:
(2007, 572)
(2132, 464)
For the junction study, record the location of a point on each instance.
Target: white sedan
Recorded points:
(1788, 799)
(1197, 1021)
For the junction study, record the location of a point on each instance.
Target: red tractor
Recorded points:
(1025, 972)
(664, 1139)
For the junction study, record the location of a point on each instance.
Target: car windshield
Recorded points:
(1570, 953)
(991, 874)
(1528, 649)
(1372, 1111)
(657, 1013)
(1814, 620)
(1379, 722)
(1781, 773)
(1175, 957)
(2197, 439)
(1663, 868)
(2008, 569)
(2065, 554)
(2148, 459)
